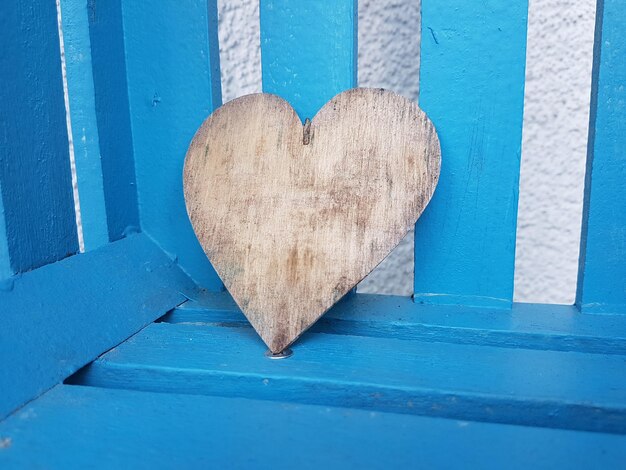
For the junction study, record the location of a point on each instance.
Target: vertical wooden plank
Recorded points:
(81, 95)
(472, 87)
(602, 267)
(5, 262)
(308, 51)
(98, 96)
(172, 65)
(113, 116)
(35, 177)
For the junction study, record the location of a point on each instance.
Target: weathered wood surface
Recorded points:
(294, 217)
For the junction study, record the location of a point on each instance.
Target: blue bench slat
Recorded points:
(482, 383)
(173, 77)
(113, 116)
(98, 95)
(70, 425)
(84, 123)
(308, 51)
(602, 273)
(530, 326)
(35, 181)
(472, 87)
(59, 317)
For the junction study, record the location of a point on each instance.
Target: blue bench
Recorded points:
(130, 353)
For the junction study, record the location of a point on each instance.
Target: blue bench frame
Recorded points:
(398, 380)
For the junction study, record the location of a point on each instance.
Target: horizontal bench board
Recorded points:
(58, 318)
(72, 425)
(482, 383)
(530, 326)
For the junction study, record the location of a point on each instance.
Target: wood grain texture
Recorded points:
(291, 227)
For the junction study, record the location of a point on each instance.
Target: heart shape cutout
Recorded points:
(292, 217)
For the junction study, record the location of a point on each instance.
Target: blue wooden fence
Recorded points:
(308, 51)
(141, 77)
(37, 203)
(465, 242)
(602, 274)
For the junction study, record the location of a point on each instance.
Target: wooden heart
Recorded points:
(292, 217)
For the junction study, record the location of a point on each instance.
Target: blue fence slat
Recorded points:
(98, 95)
(113, 117)
(5, 261)
(308, 51)
(472, 87)
(602, 272)
(172, 65)
(84, 124)
(35, 179)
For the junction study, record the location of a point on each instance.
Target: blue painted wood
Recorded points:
(59, 317)
(529, 326)
(73, 427)
(172, 65)
(308, 51)
(5, 261)
(84, 126)
(602, 273)
(472, 87)
(35, 180)
(537, 388)
(106, 36)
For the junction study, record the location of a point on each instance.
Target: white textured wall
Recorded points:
(556, 120)
(389, 57)
(560, 35)
(240, 53)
